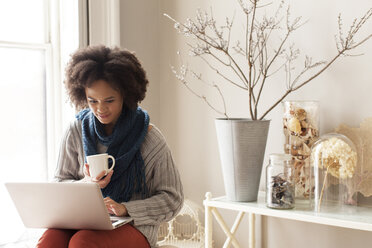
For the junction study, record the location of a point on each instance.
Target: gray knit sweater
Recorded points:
(162, 178)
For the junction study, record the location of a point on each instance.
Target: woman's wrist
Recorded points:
(125, 211)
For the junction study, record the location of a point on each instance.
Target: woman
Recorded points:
(107, 85)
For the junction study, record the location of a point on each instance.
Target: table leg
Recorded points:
(208, 222)
(252, 229)
(234, 228)
(224, 227)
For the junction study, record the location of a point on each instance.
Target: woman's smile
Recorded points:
(103, 116)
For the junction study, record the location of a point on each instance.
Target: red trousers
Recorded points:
(125, 236)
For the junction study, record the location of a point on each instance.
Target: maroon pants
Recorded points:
(125, 236)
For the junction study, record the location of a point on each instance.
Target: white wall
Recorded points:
(132, 25)
(139, 27)
(344, 92)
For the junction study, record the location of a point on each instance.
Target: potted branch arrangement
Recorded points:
(249, 64)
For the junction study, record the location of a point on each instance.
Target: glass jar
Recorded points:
(333, 169)
(301, 130)
(280, 191)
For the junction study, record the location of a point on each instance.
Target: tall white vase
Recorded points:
(242, 144)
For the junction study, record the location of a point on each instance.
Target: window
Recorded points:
(36, 38)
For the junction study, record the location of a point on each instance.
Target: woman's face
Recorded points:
(105, 102)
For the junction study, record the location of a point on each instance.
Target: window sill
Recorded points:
(28, 239)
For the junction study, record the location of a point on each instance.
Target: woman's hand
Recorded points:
(115, 208)
(101, 180)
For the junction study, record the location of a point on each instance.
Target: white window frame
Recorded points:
(104, 22)
(99, 23)
(51, 49)
(55, 115)
(54, 87)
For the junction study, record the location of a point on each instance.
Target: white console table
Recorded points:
(359, 218)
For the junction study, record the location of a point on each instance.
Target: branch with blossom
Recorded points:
(214, 46)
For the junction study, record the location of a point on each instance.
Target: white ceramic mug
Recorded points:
(98, 163)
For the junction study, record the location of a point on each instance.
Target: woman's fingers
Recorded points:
(115, 208)
(107, 200)
(87, 177)
(99, 176)
(108, 176)
(86, 170)
(109, 209)
(102, 179)
(109, 205)
(105, 181)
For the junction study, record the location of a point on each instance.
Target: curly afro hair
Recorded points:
(120, 68)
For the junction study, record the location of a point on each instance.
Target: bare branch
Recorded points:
(222, 75)
(308, 65)
(360, 43)
(229, 65)
(319, 72)
(182, 78)
(212, 43)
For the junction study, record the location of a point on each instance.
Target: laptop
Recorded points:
(63, 205)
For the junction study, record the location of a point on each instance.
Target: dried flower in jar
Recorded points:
(281, 192)
(333, 156)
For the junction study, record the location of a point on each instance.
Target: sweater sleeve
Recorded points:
(69, 167)
(165, 189)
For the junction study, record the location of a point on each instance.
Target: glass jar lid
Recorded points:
(278, 157)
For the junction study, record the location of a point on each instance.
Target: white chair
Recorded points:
(185, 230)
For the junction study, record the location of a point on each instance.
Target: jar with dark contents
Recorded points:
(280, 188)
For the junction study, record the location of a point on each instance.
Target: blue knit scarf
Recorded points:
(124, 144)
